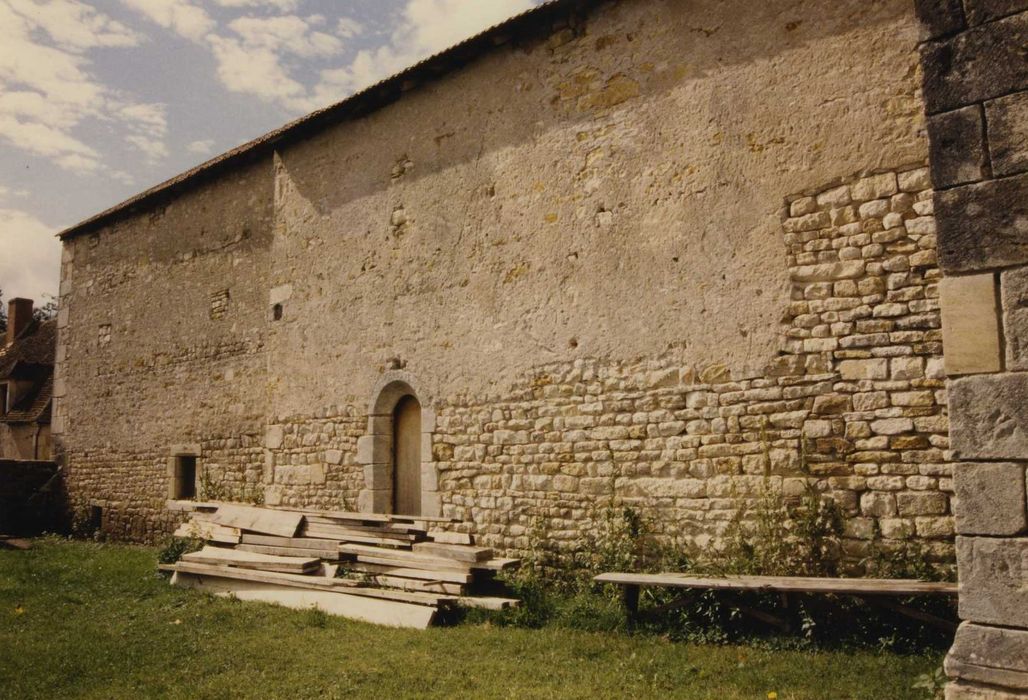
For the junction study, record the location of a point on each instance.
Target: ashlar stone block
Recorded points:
(1007, 118)
(970, 329)
(989, 416)
(983, 225)
(979, 64)
(990, 498)
(957, 146)
(993, 580)
(1014, 294)
(993, 655)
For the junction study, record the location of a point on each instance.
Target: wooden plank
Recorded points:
(405, 558)
(395, 530)
(378, 611)
(434, 565)
(320, 543)
(377, 517)
(459, 552)
(488, 602)
(261, 520)
(314, 582)
(406, 572)
(497, 564)
(331, 554)
(357, 536)
(252, 560)
(857, 586)
(449, 537)
(205, 530)
(190, 506)
(410, 584)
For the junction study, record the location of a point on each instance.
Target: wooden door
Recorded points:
(407, 457)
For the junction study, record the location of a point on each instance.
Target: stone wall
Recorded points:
(153, 353)
(976, 97)
(640, 265)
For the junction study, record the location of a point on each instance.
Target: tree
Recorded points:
(48, 310)
(3, 313)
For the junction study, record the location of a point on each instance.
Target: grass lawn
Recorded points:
(82, 620)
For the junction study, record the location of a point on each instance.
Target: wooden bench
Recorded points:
(869, 590)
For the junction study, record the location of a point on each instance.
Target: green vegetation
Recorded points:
(779, 536)
(91, 620)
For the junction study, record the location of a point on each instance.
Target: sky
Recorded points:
(102, 99)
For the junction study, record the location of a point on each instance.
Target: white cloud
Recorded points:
(46, 86)
(30, 265)
(74, 25)
(281, 5)
(203, 148)
(287, 34)
(348, 28)
(180, 16)
(255, 71)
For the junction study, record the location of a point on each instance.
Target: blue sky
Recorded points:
(102, 99)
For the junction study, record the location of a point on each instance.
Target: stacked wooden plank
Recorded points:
(389, 569)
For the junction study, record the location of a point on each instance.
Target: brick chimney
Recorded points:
(19, 313)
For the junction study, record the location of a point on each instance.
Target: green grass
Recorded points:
(83, 620)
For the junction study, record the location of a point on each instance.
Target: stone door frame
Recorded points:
(375, 447)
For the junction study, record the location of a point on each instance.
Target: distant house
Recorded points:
(26, 383)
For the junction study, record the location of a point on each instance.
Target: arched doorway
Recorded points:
(407, 456)
(396, 450)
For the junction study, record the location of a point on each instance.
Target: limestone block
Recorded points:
(431, 504)
(993, 655)
(874, 187)
(880, 505)
(374, 501)
(1008, 133)
(957, 146)
(377, 476)
(989, 416)
(990, 498)
(993, 580)
(914, 180)
(979, 64)
(1014, 293)
(854, 370)
(429, 476)
(825, 272)
(983, 225)
(970, 331)
(272, 495)
(921, 503)
(374, 448)
(892, 426)
(273, 437)
(333, 456)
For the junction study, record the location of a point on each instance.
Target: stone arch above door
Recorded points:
(375, 447)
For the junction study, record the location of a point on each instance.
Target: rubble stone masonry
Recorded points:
(662, 257)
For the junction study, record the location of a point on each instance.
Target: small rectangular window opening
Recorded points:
(185, 477)
(276, 312)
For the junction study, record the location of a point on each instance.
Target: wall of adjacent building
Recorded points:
(976, 97)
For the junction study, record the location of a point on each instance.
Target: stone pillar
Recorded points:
(976, 96)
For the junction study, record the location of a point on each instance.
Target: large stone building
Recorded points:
(652, 252)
